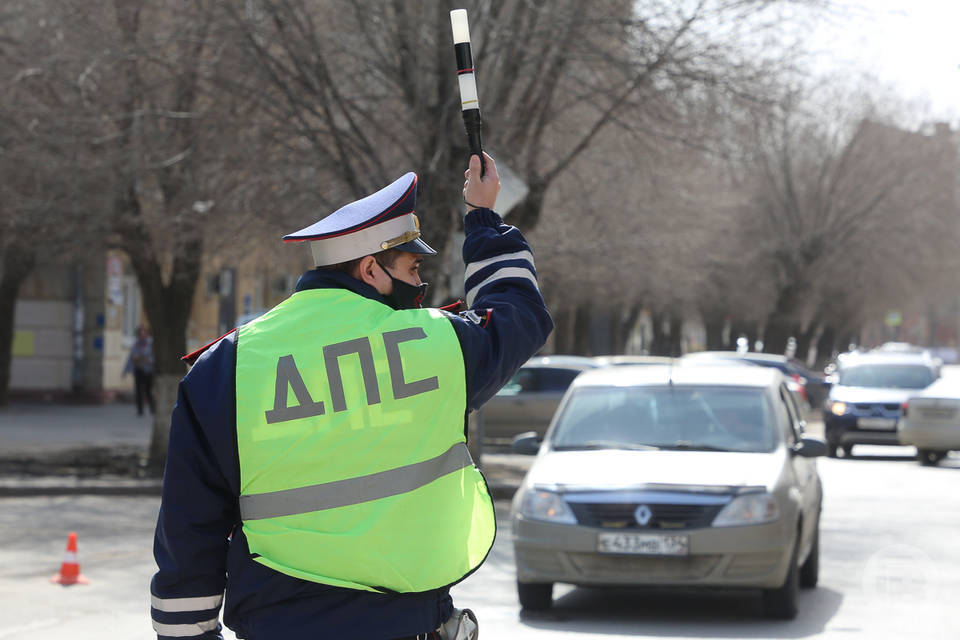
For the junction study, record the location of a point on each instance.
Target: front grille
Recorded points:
(640, 569)
(877, 407)
(664, 516)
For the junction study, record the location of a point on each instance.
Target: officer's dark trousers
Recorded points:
(143, 389)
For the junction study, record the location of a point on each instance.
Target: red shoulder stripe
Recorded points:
(453, 307)
(190, 358)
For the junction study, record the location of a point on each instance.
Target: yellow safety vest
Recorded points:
(354, 470)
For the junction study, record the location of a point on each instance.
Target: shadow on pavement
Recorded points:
(682, 613)
(952, 462)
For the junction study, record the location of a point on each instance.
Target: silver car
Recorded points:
(672, 476)
(931, 421)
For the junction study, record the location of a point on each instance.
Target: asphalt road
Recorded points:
(888, 570)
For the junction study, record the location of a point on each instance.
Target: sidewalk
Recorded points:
(59, 449)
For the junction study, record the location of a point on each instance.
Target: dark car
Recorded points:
(528, 401)
(866, 402)
(811, 386)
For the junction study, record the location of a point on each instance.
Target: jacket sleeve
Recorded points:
(197, 513)
(507, 319)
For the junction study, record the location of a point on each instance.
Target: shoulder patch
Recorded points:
(477, 316)
(190, 358)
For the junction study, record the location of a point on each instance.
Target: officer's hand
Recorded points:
(481, 192)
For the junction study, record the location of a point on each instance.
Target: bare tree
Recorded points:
(831, 203)
(171, 157)
(40, 188)
(365, 88)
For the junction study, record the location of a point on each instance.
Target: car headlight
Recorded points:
(838, 408)
(546, 505)
(752, 508)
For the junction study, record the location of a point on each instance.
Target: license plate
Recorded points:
(877, 423)
(936, 413)
(643, 544)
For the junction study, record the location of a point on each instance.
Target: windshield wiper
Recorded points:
(690, 446)
(607, 444)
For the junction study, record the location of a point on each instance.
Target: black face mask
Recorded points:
(404, 294)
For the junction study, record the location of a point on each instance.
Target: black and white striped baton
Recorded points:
(469, 101)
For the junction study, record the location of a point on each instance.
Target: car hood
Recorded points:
(613, 469)
(867, 394)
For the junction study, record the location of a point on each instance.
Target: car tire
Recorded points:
(535, 596)
(847, 451)
(929, 457)
(810, 569)
(781, 603)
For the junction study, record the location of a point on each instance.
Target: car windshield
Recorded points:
(670, 417)
(891, 376)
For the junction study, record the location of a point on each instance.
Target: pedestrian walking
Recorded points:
(140, 364)
(318, 482)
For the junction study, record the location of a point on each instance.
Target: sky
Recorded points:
(912, 46)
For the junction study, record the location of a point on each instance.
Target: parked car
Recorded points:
(931, 421)
(528, 401)
(809, 387)
(607, 361)
(671, 476)
(864, 405)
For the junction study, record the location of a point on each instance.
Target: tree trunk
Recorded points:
(714, 325)
(526, 214)
(565, 326)
(676, 336)
(781, 323)
(17, 264)
(581, 337)
(826, 344)
(167, 306)
(627, 322)
(667, 335)
(804, 340)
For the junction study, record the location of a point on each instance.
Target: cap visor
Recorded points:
(416, 246)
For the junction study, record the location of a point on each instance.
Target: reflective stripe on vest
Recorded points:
(354, 490)
(350, 433)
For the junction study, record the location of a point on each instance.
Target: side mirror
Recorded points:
(526, 443)
(810, 448)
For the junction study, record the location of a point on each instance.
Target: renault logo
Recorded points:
(643, 515)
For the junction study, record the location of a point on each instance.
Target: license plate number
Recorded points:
(877, 423)
(643, 544)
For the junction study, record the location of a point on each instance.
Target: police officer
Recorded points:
(317, 483)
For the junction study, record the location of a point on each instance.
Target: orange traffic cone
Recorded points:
(70, 568)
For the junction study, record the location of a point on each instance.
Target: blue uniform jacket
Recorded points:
(198, 543)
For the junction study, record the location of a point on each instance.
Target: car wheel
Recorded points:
(929, 457)
(810, 570)
(535, 596)
(832, 448)
(781, 603)
(848, 451)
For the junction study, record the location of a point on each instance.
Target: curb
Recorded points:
(71, 487)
